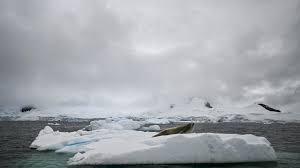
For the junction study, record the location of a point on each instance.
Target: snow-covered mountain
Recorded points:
(197, 109)
(191, 109)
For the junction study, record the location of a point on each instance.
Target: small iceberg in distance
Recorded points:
(50, 123)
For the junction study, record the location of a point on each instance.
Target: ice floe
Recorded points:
(177, 149)
(158, 120)
(117, 142)
(114, 123)
(151, 128)
(54, 123)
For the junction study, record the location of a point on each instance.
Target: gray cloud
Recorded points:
(133, 53)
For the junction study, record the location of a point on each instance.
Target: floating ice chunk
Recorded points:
(48, 139)
(46, 130)
(120, 124)
(73, 142)
(233, 118)
(115, 146)
(151, 128)
(177, 149)
(53, 124)
(158, 121)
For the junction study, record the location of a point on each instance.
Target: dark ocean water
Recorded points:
(16, 136)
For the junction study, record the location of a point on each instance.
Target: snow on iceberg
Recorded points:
(151, 128)
(126, 124)
(115, 146)
(48, 139)
(158, 121)
(54, 123)
(115, 123)
(178, 149)
(73, 142)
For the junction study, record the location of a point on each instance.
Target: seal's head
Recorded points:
(188, 128)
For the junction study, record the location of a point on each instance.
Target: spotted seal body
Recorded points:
(177, 130)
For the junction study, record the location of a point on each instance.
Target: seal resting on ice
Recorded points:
(177, 130)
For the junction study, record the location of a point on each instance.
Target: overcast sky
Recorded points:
(138, 53)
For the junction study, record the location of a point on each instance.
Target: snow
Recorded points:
(48, 139)
(115, 123)
(158, 121)
(121, 123)
(178, 149)
(53, 123)
(193, 109)
(45, 131)
(151, 128)
(117, 142)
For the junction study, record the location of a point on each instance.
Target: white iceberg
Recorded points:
(158, 120)
(48, 139)
(178, 149)
(127, 124)
(115, 146)
(54, 123)
(115, 123)
(151, 128)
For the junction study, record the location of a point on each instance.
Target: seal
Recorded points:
(188, 128)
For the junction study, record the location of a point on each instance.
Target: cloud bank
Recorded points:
(134, 53)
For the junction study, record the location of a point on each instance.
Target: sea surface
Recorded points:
(16, 136)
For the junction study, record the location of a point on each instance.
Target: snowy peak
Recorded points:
(192, 102)
(197, 101)
(201, 110)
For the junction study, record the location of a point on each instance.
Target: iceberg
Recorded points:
(158, 121)
(48, 139)
(54, 124)
(178, 149)
(115, 123)
(127, 146)
(151, 128)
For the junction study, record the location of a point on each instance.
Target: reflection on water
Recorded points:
(48, 159)
(52, 159)
(17, 136)
(236, 165)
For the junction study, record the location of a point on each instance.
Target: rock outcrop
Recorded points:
(268, 107)
(27, 108)
(207, 104)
